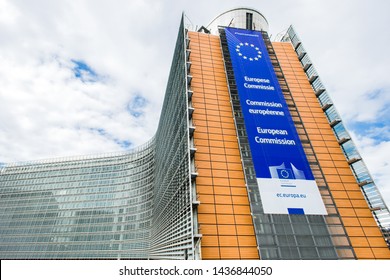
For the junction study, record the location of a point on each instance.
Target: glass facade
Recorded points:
(85, 208)
(135, 205)
(173, 229)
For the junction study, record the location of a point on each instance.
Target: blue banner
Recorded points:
(282, 169)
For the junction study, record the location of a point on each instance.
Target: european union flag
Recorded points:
(285, 173)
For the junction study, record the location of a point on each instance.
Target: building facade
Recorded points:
(235, 105)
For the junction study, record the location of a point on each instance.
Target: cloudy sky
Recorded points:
(88, 76)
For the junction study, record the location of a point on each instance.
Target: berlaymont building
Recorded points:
(250, 161)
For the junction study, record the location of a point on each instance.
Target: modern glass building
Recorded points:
(250, 161)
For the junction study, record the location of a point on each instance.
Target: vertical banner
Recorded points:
(284, 177)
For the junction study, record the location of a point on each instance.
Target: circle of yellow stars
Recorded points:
(246, 57)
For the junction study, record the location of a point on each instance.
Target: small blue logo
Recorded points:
(285, 173)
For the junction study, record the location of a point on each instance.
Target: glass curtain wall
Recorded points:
(134, 205)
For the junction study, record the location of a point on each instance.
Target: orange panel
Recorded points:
(318, 143)
(221, 182)
(361, 203)
(217, 151)
(243, 219)
(203, 164)
(359, 241)
(209, 113)
(228, 240)
(364, 253)
(338, 157)
(218, 165)
(215, 143)
(242, 209)
(230, 138)
(226, 229)
(201, 142)
(336, 186)
(349, 186)
(203, 150)
(204, 172)
(333, 178)
(245, 230)
(226, 113)
(239, 191)
(207, 199)
(348, 179)
(234, 166)
(206, 208)
(363, 212)
(237, 183)
(372, 231)
(351, 221)
(354, 231)
(218, 159)
(377, 242)
(212, 124)
(226, 219)
(320, 150)
(204, 180)
(208, 229)
(344, 171)
(236, 177)
(223, 209)
(237, 200)
(222, 190)
(340, 194)
(329, 171)
(231, 145)
(207, 218)
(249, 252)
(323, 156)
(220, 173)
(223, 199)
(216, 137)
(228, 131)
(230, 253)
(211, 106)
(233, 159)
(381, 253)
(367, 222)
(356, 195)
(343, 203)
(210, 253)
(204, 189)
(209, 240)
(327, 163)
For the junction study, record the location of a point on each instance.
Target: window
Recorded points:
(249, 21)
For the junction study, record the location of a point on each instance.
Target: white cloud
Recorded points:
(8, 13)
(45, 111)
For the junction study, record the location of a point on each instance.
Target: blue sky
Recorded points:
(84, 72)
(85, 77)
